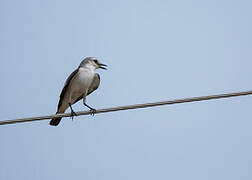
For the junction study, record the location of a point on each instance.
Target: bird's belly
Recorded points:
(81, 84)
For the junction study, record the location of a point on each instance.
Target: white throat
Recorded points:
(89, 67)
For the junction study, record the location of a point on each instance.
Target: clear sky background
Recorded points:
(156, 50)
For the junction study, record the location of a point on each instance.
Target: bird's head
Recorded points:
(92, 63)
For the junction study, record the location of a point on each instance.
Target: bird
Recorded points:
(81, 82)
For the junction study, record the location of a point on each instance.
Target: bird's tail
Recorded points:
(55, 121)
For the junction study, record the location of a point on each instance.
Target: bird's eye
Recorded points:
(96, 61)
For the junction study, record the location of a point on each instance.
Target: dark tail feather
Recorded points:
(55, 121)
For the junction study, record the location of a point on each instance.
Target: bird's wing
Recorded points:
(63, 92)
(95, 84)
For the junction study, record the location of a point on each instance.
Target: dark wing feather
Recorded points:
(63, 92)
(95, 84)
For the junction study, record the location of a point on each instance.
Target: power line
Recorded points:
(136, 106)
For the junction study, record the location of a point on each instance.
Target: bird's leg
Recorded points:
(72, 111)
(92, 110)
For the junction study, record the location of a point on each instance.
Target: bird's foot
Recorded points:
(73, 114)
(92, 111)
(72, 111)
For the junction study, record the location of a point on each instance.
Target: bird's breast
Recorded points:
(83, 80)
(86, 76)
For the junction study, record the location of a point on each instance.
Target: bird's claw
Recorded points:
(92, 111)
(73, 114)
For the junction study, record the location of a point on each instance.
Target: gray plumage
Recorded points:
(81, 82)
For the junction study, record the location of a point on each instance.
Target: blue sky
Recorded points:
(155, 50)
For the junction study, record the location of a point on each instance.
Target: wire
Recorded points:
(136, 106)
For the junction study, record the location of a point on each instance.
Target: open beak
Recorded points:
(102, 66)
